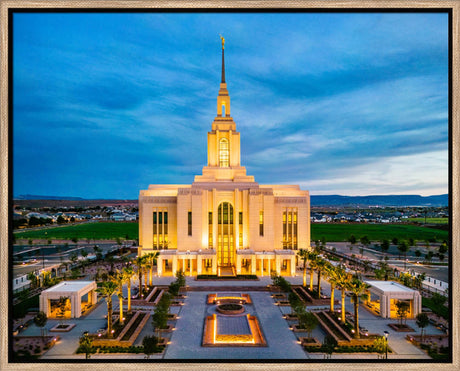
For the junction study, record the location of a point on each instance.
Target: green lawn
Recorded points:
(94, 231)
(332, 232)
(375, 232)
(430, 220)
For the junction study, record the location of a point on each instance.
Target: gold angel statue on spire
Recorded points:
(223, 41)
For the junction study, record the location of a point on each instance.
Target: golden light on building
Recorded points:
(224, 223)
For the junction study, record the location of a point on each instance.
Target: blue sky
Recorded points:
(350, 104)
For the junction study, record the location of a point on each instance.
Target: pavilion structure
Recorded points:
(82, 295)
(385, 294)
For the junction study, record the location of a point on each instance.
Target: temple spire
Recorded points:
(223, 61)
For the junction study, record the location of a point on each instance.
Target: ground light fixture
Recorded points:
(386, 333)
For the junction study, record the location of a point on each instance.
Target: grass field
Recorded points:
(332, 232)
(375, 232)
(94, 231)
(430, 220)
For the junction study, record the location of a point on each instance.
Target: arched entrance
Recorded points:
(225, 240)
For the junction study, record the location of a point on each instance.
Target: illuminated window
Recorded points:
(223, 153)
(261, 223)
(160, 230)
(210, 230)
(290, 229)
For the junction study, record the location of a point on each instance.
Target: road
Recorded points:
(52, 257)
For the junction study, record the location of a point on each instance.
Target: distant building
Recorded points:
(224, 222)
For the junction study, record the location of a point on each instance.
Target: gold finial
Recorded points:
(223, 41)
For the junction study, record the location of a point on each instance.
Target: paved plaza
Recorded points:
(185, 341)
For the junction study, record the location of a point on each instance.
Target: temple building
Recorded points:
(224, 223)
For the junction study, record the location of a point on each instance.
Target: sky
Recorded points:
(339, 103)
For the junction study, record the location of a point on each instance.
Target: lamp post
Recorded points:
(386, 343)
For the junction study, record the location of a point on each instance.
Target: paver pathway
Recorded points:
(186, 339)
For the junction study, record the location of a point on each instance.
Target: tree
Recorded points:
(403, 308)
(86, 345)
(403, 247)
(62, 306)
(385, 245)
(73, 258)
(151, 258)
(418, 280)
(380, 345)
(342, 280)
(294, 301)
(313, 259)
(40, 320)
(150, 344)
(304, 254)
(364, 240)
(180, 278)
(443, 248)
(321, 272)
(394, 240)
(128, 272)
(61, 220)
(358, 291)
(333, 280)
(119, 280)
(422, 321)
(418, 253)
(107, 289)
(308, 321)
(140, 262)
(329, 344)
(33, 280)
(352, 240)
(160, 315)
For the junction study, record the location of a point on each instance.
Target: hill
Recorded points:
(388, 200)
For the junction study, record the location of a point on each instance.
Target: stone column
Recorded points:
(262, 266)
(277, 265)
(269, 262)
(174, 265)
(159, 266)
(214, 264)
(293, 266)
(253, 264)
(93, 297)
(191, 266)
(238, 264)
(199, 262)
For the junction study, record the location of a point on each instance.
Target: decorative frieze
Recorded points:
(160, 200)
(290, 200)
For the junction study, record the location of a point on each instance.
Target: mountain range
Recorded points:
(324, 200)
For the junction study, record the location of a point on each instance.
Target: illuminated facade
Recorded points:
(224, 223)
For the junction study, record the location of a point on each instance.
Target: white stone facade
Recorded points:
(224, 220)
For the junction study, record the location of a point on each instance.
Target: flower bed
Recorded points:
(133, 326)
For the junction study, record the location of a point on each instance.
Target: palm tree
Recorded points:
(128, 273)
(304, 254)
(313, 258)
(107, 289)
(342, 280)
(321, 271)
(151, 258)
(119, 280)
(358, 291)
(332, 273)
(140, 262)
